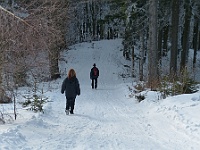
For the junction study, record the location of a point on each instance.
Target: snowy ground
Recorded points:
(106, 118)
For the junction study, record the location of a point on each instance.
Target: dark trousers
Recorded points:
(94, 83)
(70, 102)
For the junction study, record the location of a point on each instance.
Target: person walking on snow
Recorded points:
(71, 88)
(94, 74)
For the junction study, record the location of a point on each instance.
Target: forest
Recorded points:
(34, 32)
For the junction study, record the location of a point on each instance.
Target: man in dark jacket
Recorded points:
(71, 88)
(94, 74)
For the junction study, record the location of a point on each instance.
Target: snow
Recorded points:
(108, 118)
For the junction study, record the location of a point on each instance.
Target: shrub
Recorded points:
(176, 85)
(2, 121)
(4, 98)
(140, 97)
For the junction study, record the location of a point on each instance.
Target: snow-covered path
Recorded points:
(106, 118)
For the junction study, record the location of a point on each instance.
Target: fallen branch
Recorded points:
(18, 18)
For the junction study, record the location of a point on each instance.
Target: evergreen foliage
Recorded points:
(35, 101)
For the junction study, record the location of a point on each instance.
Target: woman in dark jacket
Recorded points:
(71, 88)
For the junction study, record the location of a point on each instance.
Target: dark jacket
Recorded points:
(94, 75)
(70, 87)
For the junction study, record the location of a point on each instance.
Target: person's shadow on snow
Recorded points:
(86, 116)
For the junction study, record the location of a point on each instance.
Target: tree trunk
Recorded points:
(1, 61)
(186, 31)
(133, 61)
(165, 40)
(94, 19)
(195, 41)
(101, 27)
(174, 48)
(160, 35)
(153, 52)
(199, 41)
(53, 59)
(141, 61)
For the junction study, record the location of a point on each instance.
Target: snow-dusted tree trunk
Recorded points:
(152, 50)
